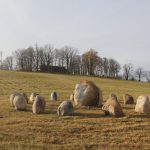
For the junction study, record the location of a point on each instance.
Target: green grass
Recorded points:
(89, 129)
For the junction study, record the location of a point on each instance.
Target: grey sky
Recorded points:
(115, 28)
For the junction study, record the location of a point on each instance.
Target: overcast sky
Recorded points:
(117, 29)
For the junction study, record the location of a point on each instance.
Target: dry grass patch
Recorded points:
(88, 129)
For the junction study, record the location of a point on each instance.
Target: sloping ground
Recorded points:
(88, 129)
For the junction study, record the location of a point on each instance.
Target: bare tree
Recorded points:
(8, 63)
(105, 63)
(29, 58)
(99, 67)
(76, 66)
(73, 59)
(127, 70)
(24, 59)
(90, 59)
(41, 56)
(83, 66)
(69, 53)
(114, 67)
(55, 56)
(147, 76)
(139, 73)
(19, 56)
(37, 58)
(89, 63)
(48, 55)
(58, 57)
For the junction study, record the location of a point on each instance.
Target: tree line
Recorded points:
(67, 59)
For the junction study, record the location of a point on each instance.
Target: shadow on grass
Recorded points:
(78, 114)
(51, 112)
(87, 108)
(20, 110)
(128, 108)
(89, 115)
(147, 116)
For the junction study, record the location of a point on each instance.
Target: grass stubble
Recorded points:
(89, 129)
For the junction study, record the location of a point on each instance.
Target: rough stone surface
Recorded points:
(112, 107)
(143, 104)
(65, 108)
(87, 94)
(128, 99)
(38, 106)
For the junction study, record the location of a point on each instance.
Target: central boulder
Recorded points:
(87, 94)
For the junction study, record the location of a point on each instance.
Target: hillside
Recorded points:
(89, 129)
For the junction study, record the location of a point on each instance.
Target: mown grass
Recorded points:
(88, 129)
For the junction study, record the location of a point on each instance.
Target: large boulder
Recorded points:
(12, 97)
(38, 106)
(112, 107)
(65, 109)
(19, 102)
(53, 96)
(87, 94)
(143, 104)
(15, 94)
(128, 99)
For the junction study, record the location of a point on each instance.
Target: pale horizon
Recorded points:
(116, 29)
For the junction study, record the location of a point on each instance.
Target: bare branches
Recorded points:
(127, 71)
(66, 60)
(147, 76)
(139, 73)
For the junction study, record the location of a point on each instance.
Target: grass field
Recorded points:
(90, 129)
